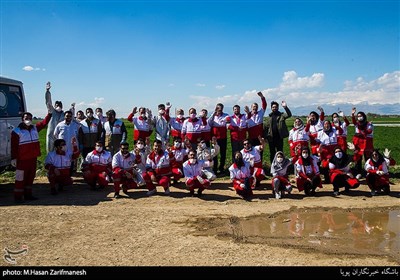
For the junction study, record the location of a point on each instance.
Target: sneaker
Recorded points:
(289, 188)
(335, 193)
(200, 179)
(153, 191)
(277, 195)
(117, 195)
(373, 192)
(359, 176)
(167, 191)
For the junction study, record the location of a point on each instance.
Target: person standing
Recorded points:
(176, 124)
(341, 135)
(99, 115)
(57, 116)
(255, 121)
(114, 132)
(68, 129)
(142, 124)
(218, 122)
(161, 124)
(277, 129)
(238, 129)
(363, 139)
(191, 128)
(25, 149)
(298, 138)
(314, 125)
(89, 133)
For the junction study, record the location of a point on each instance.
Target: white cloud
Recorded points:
(303, 91)
(171, 85)
(220, 87)
(200, 85)
(30, 68)
(292, 82)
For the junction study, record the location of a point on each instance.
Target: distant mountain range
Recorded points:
(381, 109)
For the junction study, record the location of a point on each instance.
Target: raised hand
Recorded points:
(353, 110)
(284, 104)
(48, 86)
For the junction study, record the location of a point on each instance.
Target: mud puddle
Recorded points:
(332, 231)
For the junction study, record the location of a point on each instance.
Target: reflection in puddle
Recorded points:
(336, 231)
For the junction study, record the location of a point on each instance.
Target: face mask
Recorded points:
(201, 115)
(99, 149)
(64, 148)
(279, 160)
(192, 161)
(140, 146)
(58, 109)
(305, 155)
(177, 144)
(99, 114)
(339, 154)
(143, 116)
(375, 158)
(27, 122)
(203, 145)
(360, 119)
(161, 112)
(192, 116)
(180, 116)
(89, 115)
(336, 120)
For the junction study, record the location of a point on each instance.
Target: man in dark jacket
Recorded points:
(277, 129)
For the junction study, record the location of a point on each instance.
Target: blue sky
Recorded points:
(121, 54)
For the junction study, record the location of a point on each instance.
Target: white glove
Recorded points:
(14, 162)
(341, 114)
(350, 146)
(379, 172)
(320, 109)
(386, 153)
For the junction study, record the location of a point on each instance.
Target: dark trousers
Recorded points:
(222, 144)
(237, 146)
(275, 145)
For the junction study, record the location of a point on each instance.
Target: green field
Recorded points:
(384, 137)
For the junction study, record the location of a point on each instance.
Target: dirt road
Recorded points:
(80, 227)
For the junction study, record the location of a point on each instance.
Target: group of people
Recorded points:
(197, 152)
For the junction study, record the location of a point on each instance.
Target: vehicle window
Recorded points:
(11, 103)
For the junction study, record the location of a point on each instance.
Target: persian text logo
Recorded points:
(11, 255)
